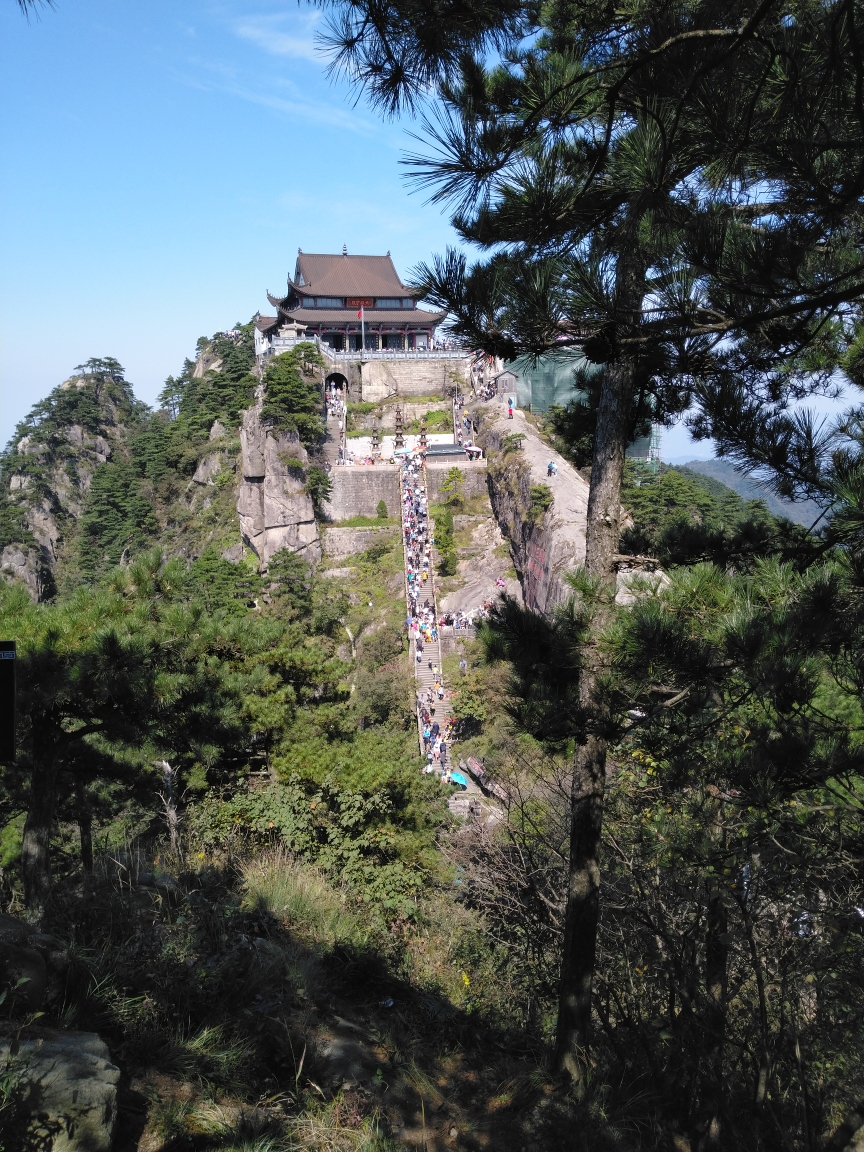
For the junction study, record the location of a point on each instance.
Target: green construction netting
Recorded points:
(550, 379)
(553, 380)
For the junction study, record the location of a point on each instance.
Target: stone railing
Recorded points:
(279, 344)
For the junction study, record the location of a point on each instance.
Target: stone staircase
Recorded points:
(424, 676)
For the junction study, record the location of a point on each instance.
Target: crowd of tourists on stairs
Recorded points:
(418, 553)
(421, 621)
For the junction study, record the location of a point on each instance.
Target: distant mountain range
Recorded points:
(800, 511)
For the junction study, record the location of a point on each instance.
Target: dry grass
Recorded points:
(337, 1126)
(299, 897)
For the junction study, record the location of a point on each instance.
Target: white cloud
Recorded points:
(265, 32)
(317, 113)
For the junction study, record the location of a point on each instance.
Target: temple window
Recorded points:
(329, 302)
(388, 302)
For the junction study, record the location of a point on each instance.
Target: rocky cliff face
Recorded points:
(93, 477)
(545, 544)
(274, 508)
(47, 474)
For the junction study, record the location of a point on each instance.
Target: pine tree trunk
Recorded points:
(589, 769)
(35, 850)
(716, 963)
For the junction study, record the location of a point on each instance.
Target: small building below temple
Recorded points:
(348, 303)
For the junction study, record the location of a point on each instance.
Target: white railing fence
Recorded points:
(279, 344)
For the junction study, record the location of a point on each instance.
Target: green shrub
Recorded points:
(541, 501)
(448, 561)
(319, 486)
(117, 516)
(454, 485)
(345, 833)
(11, 838)
(382, 510)
(291, 580)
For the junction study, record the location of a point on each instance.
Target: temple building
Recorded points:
(343, 300)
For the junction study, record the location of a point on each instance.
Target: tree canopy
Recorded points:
(677, 191)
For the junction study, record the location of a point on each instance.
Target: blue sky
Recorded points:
(160, 164)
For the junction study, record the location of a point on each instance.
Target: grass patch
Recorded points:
(300, 898)
(437, 420)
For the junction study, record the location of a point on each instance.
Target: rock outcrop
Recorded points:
(49, 474)
(33, 966)
(274, 507)
(544, 546)
(210, 465)
(23, 566)
(63, 1094)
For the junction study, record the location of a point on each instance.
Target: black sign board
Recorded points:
(7, 701)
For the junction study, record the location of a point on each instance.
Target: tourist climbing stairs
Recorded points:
(425, 676)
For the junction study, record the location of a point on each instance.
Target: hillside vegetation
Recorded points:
(268, 911)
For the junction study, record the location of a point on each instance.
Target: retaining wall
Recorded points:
(474, 473)
(357, 490)
(338, 543)
(383, 378)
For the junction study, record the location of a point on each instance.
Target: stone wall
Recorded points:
(274, 508)
(357, 490)
(383, 378)
(474, 473)
(341, 542)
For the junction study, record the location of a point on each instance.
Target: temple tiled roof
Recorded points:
(344, 275)
(412, 317)
(262, 323)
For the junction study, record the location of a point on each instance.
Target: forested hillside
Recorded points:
(93, 477)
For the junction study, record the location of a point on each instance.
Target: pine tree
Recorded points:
(292, 392)
(675, 190)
